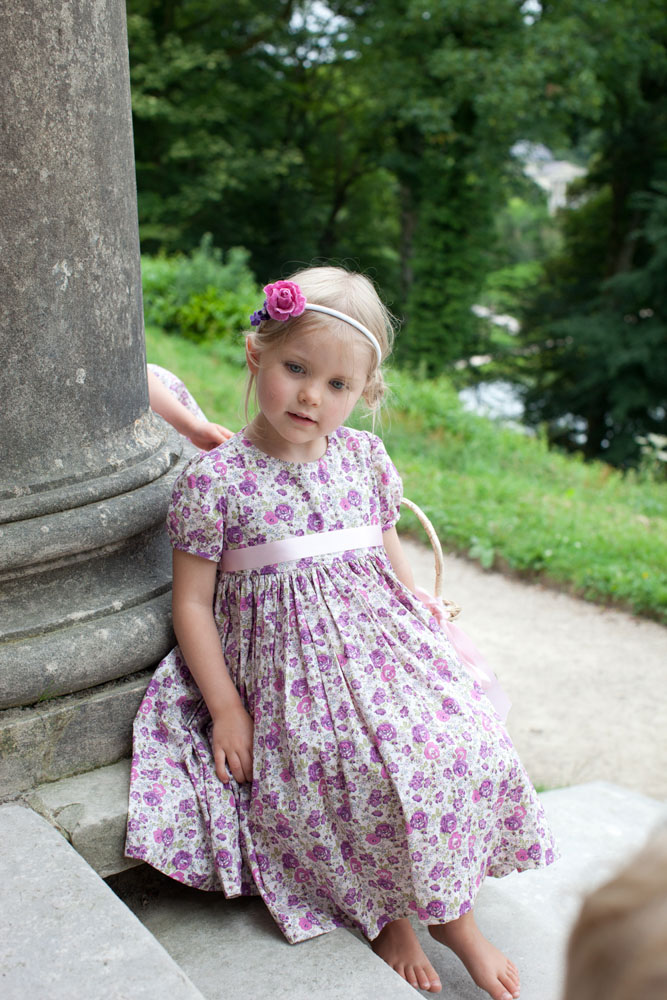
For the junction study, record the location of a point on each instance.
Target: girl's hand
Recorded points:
(206, 435)
(232, 739)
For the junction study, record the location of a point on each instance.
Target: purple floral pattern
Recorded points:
(384, 783)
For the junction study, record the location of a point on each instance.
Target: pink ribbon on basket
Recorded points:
(468, 653)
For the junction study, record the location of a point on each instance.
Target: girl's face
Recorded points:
(307, 386)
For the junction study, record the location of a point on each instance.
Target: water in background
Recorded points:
(496, 400)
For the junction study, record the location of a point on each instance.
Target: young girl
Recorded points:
(314, 738)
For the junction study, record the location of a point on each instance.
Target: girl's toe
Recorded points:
(510, 978)
(408, 973)
(512, 971)
(423, 979)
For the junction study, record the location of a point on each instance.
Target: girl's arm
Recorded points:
(399, 563)
(192, 600)
(203, 434)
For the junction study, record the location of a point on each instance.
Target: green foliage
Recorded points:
(506, 289)
(198, 295)
(497, 496)
(211, 314)
(456, 82)
(378, 134)
(599, 378)
(249, 124)
(525, 232)
(447, 266)
(507, 501)
(374, 134)
(595, 335)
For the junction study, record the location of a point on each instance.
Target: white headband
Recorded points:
(351, 322)
(285, 301)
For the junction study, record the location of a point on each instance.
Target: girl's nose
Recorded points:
(309, 394)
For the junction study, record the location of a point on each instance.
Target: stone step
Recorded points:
(228, 947)
(63, 933)
(599, 826)
(90, 810)
(232, 948)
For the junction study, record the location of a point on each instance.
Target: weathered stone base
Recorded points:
(85, 611)
(68, 735)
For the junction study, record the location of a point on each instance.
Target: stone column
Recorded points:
(85, 467)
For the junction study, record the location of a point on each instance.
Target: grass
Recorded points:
(496, 496)
(215, 375)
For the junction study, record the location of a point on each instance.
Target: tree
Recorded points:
(457, 82)
(247, 126)
(376, 133)
(594, 333)
(203, 84)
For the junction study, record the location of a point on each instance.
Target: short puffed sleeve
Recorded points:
(196, 518)
(389, 484)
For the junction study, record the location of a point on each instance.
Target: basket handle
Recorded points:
(452, 609)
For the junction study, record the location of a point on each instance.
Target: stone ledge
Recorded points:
(82, 657)
(85, 587)
(69, 735)
(63, 932)
(41, 540)
(116, 465)
(251, 958)
(90, 810)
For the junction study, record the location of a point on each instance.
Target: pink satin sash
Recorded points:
(301, 547)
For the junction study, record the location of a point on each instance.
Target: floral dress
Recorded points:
(385, 785)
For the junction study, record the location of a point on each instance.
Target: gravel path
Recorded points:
(588, 684)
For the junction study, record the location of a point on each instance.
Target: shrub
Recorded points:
(202, 296)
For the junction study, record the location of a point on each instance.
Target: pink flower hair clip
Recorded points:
(285, 300)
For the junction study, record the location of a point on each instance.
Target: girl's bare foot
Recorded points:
(489, 968)
(398, 946)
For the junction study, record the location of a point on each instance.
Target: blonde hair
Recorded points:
(348, 292)
(618, 947)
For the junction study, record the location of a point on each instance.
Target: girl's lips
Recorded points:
(300, 418)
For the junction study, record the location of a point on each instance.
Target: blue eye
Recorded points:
(337, 384)
(294, 368)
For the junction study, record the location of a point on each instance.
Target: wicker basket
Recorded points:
(452, 610)
(468, 654)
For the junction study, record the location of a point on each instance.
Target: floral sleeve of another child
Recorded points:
(389, 484)
(196, 518)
